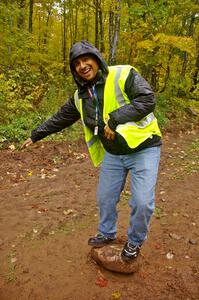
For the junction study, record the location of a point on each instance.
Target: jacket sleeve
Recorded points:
(66, 116)
(142, 101)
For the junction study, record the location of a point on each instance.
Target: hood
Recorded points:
(81, 48)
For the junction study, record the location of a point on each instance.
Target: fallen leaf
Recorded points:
(175, 214)
(43, 176)
(52, 232)
(116, 295)
(35, 206)
(162, 192)
(170, 255)
(163, 199)
(102, 282)
(43, 209)
(186, 215)
(12, 147)
(51, 176)
(144, 275)
(158, 246)
(68, 212)
(192, 242)
(175, 236)
(13, 260)
(80, 155)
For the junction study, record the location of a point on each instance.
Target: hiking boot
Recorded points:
(130, 251)
(100, 240)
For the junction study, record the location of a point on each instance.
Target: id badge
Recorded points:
(96, 130)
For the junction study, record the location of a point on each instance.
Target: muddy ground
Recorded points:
(48, 211)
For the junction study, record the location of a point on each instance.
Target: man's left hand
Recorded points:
(109, 133)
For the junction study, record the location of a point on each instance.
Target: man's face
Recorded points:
(86, 67)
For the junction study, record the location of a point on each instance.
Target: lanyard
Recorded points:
(96, 109)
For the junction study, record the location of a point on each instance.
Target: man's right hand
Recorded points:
(27, 143)
(109, 133)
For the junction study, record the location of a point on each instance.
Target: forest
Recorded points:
(159, 38)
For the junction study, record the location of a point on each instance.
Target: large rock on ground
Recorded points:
(110, 258)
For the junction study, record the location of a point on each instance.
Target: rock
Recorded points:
(26, 271)
(170, 255)
(175, 236)
(110, 258)
(192, 242)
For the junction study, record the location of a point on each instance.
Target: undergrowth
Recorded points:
(18, 128)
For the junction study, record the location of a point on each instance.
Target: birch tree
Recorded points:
(114, 30)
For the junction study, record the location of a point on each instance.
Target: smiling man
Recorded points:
(116, 107)
(86, 67)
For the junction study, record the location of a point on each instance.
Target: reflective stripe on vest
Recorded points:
(94, 145)
(118, 94)
(118, 90)
(92, 141)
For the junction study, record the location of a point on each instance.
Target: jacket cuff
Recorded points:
(34, 137)
(112, 124)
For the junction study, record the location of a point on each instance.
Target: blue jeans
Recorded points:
(143, 166)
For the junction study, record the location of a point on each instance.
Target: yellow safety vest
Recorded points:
(134, 133)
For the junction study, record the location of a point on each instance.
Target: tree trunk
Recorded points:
(189, 33)
(154, 79)
(30, 15)
(114, 38)
(96, 23)
(166, 78)
(76, 21)
(64, 37)
(11, 28)
(101, 32)
(195, 75)
(47, 23)
(111, 32)
(21, 18)
(71, 22)
(131, 30)
(86, 28)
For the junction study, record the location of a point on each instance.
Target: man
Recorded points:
(116, 107)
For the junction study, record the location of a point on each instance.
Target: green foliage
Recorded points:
(173, 109)
(162, 108)
(158, 212)
(20, 91)
(157, 37)
(20, 123)
(10, 100)
(18, 130)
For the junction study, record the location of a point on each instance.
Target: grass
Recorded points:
(11, 275)
(188, 162)
(79, 223)
(158, 212)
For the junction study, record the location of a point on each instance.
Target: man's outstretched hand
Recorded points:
(27, 143)
(109, 133)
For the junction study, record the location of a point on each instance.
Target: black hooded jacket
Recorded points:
(137, 89)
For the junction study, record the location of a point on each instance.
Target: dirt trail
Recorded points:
(48, 211)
